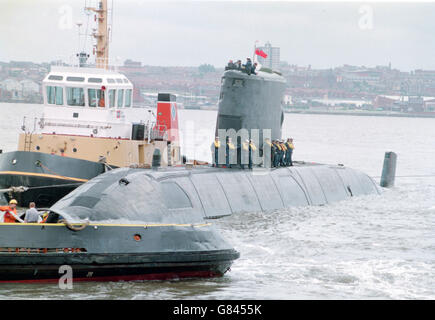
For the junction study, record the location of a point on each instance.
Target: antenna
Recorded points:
(82, 56)
(79, 24)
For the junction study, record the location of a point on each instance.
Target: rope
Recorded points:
(57, 185)
(46, 168)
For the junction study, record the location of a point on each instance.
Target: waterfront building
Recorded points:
(272, 60)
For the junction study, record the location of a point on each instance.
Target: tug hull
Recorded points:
(39, 269)
(35, 252)
(49, 177)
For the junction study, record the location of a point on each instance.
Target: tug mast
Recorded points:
(101, 35)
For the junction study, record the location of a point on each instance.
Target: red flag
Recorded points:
(260, 53)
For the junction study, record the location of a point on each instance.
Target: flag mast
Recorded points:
(255, 49)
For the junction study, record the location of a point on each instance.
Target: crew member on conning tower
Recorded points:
(254, 67)
(248, 66)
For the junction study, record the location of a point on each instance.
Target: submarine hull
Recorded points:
(49, 177)
(153, 224)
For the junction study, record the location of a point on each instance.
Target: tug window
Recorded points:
(128, 98)
(120, 97)
(174, 197)
(75, 96)
(119, 80)
(95, 80)
(96, 96)
(110, 80)
(53, 77)
(76, 79)
(112, 98)
(54, 95)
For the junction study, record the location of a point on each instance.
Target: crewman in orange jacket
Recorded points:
(12, 207)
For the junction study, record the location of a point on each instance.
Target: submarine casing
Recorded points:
(179, 194)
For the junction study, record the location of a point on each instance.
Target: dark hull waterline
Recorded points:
(39, 268)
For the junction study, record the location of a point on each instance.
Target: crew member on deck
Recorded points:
(32, 215)
(252, 148)
(268, 153)
(275, 154)
(10, 212)
(283, 152)
(215, 151)
(278, 153)
(245, 153)
(229, 155)
(289, 153)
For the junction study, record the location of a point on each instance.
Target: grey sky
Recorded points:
(190, 33)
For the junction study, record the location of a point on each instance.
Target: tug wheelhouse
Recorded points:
(89, 115)
(87, 102)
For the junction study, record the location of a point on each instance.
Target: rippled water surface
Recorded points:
(372, 247)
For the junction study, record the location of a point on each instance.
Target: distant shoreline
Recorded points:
(369, 113)
(331, 113)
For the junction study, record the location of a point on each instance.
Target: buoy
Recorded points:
(389, 170)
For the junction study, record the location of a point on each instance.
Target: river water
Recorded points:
(371, 247)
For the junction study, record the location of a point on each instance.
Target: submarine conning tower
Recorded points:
(251, 102)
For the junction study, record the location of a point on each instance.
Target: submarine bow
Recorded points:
(132, 235)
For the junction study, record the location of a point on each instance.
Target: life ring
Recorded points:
(73, 228)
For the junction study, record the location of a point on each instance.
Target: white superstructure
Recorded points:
(89, 102)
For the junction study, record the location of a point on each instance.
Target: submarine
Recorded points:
(136, 223)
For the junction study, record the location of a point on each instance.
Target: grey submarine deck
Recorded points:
(222, 191)
(181, 194)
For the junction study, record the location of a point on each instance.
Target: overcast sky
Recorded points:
(189, 33)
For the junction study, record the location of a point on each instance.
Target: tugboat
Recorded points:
(88, 126)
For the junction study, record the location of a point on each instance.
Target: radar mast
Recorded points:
(101, 34)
